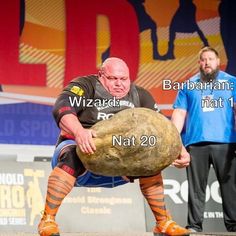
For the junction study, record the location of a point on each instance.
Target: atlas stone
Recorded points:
(134, 142)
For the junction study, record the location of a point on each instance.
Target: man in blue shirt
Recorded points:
(206, 110)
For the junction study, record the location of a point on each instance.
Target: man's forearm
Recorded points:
(70, 124)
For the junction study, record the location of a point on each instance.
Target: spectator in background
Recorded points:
(208, 112)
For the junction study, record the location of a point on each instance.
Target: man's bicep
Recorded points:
(180, 113)
(181, 101)
(178, 118)
(147, 101)
(73, 99)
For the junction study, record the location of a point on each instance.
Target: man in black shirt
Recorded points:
(83, 103)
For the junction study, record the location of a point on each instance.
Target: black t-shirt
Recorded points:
(86, 98)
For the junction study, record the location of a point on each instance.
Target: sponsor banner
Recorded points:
(46, 45)
(22, 195)
(27, 123)
(176, 197)
(23, 189)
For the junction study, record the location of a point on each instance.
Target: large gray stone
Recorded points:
(134, 142)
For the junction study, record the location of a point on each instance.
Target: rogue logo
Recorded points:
(104, 116)
(178, 192)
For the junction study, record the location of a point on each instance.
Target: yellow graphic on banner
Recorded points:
(33, 194)
(16, 199)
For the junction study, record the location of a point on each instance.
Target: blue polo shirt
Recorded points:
(210, 115)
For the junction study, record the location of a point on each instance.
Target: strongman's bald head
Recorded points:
(115, 66)
(114, 76)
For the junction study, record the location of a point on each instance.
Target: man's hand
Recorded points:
(84, 139)
(70, 124)
(183, 160)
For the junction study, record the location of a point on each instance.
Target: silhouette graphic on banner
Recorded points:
(183, 21)
(145, 22)
(227, 12)
(22, 15)
(34, 196)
